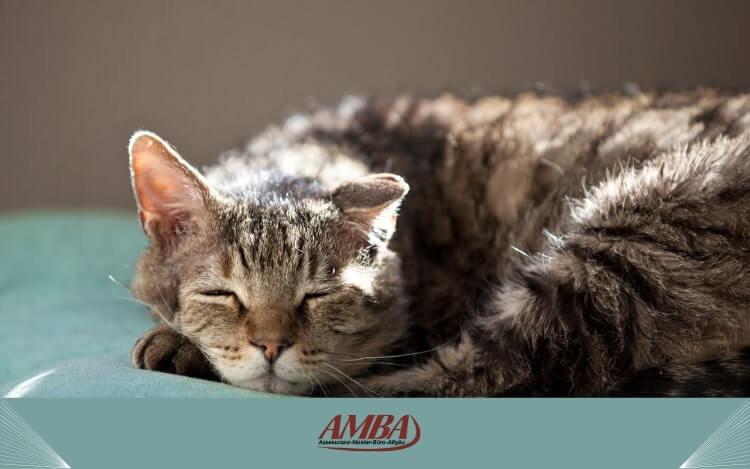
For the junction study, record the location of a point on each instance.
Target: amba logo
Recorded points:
(375, 432)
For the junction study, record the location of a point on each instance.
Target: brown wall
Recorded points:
(77, 77)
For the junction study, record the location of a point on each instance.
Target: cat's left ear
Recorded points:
(170, 193)
(371, 204)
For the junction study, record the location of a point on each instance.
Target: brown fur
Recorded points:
(561, 247)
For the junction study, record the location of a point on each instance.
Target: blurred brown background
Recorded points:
(77, 77)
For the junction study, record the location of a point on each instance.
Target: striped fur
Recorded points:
(596, 246)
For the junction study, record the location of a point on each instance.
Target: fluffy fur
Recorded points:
(546, 247)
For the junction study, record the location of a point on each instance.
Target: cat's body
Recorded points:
(545, 248)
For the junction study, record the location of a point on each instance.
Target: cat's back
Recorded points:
(493, 178)
(486, 175)
(480, 167)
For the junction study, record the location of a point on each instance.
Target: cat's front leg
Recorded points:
(428, 380)
(163, 349)
(459, 370)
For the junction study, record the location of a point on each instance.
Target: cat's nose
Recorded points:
(271, 348)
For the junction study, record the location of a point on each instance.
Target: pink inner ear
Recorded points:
(371, 203)
(167, 188)
(386, 217)
(158, 184)
(373, 227)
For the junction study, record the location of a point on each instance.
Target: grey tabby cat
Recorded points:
(598, 246)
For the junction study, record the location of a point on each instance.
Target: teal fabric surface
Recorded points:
(66, 328)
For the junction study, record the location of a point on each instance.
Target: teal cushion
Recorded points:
(68, 322)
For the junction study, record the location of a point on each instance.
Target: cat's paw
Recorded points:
(163, 349)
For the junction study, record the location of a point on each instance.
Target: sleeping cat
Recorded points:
(598, 246)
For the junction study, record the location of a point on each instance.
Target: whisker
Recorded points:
(133, 300)
(166, 305)
(322, 388)
(351, 379)
(376, 362)
(338, 353)
(339, 380)
(401, 354)
(312, 387)
(166, 321)
(371, 360)
(114, 280)
(152, 307)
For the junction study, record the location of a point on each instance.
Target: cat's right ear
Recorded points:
(170, 193)
(371, 204)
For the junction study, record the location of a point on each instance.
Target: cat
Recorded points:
(502, 246)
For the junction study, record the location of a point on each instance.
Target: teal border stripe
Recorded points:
(513, 433)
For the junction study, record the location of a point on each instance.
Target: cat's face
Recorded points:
(280, 297)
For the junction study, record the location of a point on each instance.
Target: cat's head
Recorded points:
(282, 295)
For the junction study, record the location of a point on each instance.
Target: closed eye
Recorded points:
(218, 293)
(313, 295)
(309, 296)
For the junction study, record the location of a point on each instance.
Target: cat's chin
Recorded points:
(273, 384)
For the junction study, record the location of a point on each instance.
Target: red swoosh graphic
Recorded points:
(417, 436)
